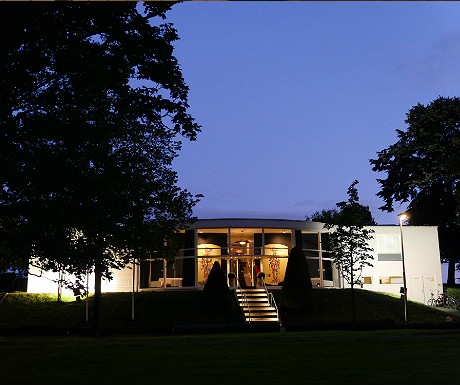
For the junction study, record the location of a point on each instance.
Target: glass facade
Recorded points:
(244, 251)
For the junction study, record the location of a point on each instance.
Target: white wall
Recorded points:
(422, 262)
(44, 282)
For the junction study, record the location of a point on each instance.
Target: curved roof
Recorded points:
(255, 223)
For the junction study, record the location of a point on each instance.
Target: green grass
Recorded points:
(152, 309)
(334, 306)
(169, 308)
(332, 357)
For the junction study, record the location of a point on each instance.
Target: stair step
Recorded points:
(250, 290)
(262, 319)
(253, 299)
(261, 314)
(259, 309)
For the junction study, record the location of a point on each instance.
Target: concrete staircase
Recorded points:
(255, 305)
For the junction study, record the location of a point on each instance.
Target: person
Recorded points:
(256, 273)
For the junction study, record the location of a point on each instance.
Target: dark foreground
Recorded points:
(315, 357)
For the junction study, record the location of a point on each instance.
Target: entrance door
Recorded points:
(416, 291)
(245, 272)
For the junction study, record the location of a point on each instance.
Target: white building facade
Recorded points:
(248, 246)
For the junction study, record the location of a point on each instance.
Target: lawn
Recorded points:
(322, 357)
(167, 309)
(333, 306)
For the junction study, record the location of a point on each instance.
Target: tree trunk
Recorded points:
(352, 291)
(451, 273)
(353, 302)
(97, 298)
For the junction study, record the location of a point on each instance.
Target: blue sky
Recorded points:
(294, 98)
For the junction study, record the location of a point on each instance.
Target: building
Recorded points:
(246, 246)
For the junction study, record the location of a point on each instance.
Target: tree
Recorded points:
(92, 102)
(216, 294)
(297, 290)
(349, 242)
(324, 216)
(352, 213)
(423, 170)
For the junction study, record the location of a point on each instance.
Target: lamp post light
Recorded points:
(401, 218)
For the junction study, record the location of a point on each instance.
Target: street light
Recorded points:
(401, 218)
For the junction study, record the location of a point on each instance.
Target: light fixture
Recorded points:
(242, 242)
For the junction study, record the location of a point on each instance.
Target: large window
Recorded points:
(158, 273)
(246, 241)
(212, 242)
(388, 247)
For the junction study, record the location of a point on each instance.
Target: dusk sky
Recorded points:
(294, 98)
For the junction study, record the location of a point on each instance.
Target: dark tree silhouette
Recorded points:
(92, 102)
(297, 289)
(216, 294)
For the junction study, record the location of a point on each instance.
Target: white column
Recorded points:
(320, 261)
(196, 257)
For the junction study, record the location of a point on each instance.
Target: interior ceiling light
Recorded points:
(242, 242)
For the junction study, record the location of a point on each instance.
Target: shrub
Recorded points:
(216, 283)
(216, 294)
(297, 294)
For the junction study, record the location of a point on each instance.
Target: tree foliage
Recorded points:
(423, 169)
(349, 243)
(348, 213)
(92, 102)
(297, 289)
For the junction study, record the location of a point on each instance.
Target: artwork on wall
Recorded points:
(205, 262)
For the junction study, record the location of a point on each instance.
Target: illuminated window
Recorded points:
(390, 280)
(367, 280)
(389, 247)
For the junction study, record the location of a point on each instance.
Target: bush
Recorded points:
(453, 292)
(297, 294)
(454, 297)
(216, 294)
(216, 283)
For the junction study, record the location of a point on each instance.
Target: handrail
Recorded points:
(271, 300)
(246, 300)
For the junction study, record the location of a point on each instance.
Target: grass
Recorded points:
(152, 309)
(315, 357)
(170, 308)
(334, 306)
(332, 357)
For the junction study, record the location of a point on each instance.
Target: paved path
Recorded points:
(452, 312)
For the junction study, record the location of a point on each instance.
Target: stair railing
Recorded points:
(271, 300)
(246, 301)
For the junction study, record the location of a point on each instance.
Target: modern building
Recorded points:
(247, 246)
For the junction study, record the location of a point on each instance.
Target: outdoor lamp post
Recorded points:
(401, 218)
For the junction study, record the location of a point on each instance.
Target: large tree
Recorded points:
(423, 170)
(93, 100)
